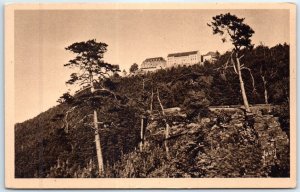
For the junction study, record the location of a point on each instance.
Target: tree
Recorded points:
(280, 89)
(233, 28)
(92, 71)
(167, 130)
(133, 68)
(65, 98)
(196, 104)
(265, 67)
(270, 66)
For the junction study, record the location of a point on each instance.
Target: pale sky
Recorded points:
(131, 35)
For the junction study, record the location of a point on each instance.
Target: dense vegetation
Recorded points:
(44, 149)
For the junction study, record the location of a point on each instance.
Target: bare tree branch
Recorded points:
(233, 64)
(161, 106)
(81, 120)
(106, 90)
(66, 118)
(241, 57)
(252, 78)
(83, 89)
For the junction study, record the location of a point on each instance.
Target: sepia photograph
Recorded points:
(150, 95)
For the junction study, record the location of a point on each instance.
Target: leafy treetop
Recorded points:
(89, 60)
(239, 32)
(134, 67)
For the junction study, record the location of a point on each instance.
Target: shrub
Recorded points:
(196, 105)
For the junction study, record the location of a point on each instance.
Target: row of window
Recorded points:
(184, 60)
(145, 64)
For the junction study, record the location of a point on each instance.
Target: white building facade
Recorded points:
(184, 58)
(210, 57)
(153, 64)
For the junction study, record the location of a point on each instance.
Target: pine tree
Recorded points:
(92, 71)
(233, 28)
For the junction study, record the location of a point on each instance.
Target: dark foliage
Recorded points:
(239, 33)
(196, 105)
(40, 142)
(134, 67)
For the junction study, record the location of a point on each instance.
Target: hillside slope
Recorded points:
(203, 144)
(223, 145)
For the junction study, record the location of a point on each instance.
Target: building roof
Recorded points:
(154, 59)
(182, 54)
(213, 54)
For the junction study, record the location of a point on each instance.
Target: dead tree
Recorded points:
(143, 119)
(167, 130)
(151, 100)
(143, 131)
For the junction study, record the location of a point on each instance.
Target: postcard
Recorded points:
(150, 95)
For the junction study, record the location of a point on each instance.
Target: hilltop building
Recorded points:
(153, 64)
(176, 59)
(210, 57)
(184, 58)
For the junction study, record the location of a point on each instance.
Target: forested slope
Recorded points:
(43, 147)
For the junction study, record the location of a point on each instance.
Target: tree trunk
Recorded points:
(245, 100)
(98, 145)
(142, 134)
(167, 135)
(97, 140)
(265, 88)
(151, 102)
(167, 131)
